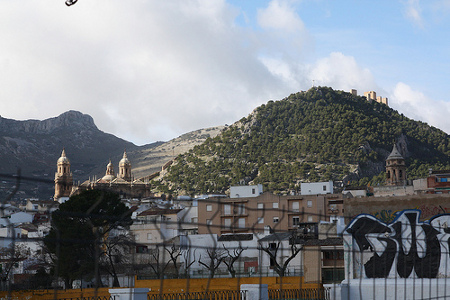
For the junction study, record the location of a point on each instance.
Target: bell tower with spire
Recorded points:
(63, 177)
(395, 168)
(125, 168)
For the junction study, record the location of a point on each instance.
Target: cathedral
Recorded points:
(122, 183)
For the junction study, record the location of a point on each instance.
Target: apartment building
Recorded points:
(252, 214)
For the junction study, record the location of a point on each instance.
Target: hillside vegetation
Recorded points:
(318, 135)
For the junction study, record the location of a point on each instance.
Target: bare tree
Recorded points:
(113, 257)
(187, 261)
(231, 258)
(157, 263)
(279, 263)
(174, 252)
(214, 258)
(11, 256)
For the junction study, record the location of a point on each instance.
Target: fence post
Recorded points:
(129, 294)
(256, 291)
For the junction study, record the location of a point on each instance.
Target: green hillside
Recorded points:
(318, 135)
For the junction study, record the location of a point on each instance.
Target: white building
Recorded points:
(316, 188)
(246, 191)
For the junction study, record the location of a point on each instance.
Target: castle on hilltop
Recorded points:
(371, 96)
(122, 183)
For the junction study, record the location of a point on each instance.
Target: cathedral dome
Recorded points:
(63, 158)
(124, 160)
(108, 177)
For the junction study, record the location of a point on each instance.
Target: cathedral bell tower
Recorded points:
(125, 168)
(63, 177)
(395, 168)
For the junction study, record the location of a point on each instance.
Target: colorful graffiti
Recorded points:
(386, 215)
(398, 248)
(426, 212)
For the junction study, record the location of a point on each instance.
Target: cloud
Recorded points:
(341, 72)
(280, 15)
(413, 12)
(418, 106)
(145, 70)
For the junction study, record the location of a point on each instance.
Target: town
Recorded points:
(247, 234)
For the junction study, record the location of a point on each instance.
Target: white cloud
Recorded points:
(145, 70)
(280, 15)
(418, 106)
(341, 72)
(413, 12)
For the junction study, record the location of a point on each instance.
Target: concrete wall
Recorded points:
(316, 188)
(221, 284)
(312, 264)
(246, 191)
(386, 208)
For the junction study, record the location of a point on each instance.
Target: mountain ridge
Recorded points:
(33, 146)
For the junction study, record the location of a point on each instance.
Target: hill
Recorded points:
(34, 146)
(318, 135)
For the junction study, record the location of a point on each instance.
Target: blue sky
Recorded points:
(152, 70)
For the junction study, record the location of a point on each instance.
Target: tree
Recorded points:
(174, 252)
(278, 262)
(78, 230)
(114, 255)
(11, 256)
(231, 258)
(214, 258)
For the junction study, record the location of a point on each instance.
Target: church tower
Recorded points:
(395, 168)
(110, 175)
(125, 168)
(63, 177)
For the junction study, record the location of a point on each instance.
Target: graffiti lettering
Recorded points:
(403, 246)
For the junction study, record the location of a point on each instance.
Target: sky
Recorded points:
(151, 70)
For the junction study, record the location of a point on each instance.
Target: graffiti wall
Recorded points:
(402, 248)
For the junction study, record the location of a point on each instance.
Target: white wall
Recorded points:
(316, 188)
(246, 191)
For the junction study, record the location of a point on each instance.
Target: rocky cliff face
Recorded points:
(34, 146)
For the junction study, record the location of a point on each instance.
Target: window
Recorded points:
(149, 236)
(295, 206)
(240, 209)
(275, 205)
(260, 205)
(324, 187)
(208, 222)
(227, 223)
(309, 203)
(227, 209)
(241, 223)
(295, 221)
(208, 207)
(261, 220)
(253, 191)
(310, 218)
(276, 219)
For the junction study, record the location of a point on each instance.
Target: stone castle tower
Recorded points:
(63, 177)
(395, 168)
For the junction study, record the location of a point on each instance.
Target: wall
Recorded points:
(201, 285)
(387, 208)
(55, 294)
(246, 191)
(316, 188)
(312, 264)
